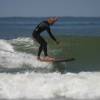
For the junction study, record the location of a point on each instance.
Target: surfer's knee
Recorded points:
(44, 44)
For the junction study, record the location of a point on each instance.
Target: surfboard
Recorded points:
(59, 60)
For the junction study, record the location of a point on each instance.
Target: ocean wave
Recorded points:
(32, 85)
(81, 86)
(10, 58)
(64, 24)
(22, 40)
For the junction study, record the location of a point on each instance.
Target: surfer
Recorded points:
(44, 26)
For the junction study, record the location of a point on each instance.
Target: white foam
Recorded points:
(5, 46)
(23, 40)
(32, 85)
(11, 59)
(27, 42)
(84, 85)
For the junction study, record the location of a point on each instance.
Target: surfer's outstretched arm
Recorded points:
(51, 35)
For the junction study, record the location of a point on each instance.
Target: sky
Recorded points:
(44, 8)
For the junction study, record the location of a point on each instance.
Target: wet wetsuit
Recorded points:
(43, 26)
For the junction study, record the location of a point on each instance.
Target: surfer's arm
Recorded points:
(51, 35)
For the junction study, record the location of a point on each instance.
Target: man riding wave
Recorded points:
(44, 26)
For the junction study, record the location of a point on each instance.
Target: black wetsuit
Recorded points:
(43, 26)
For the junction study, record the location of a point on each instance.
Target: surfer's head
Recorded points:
(52, 20)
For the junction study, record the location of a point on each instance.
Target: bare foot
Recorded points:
(38, 58)
(46, 58)
(49, 58)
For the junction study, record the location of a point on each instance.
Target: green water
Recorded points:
(85, 50)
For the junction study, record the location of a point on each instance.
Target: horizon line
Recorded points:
(48, 16)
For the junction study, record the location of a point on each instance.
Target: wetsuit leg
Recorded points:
(43, 45)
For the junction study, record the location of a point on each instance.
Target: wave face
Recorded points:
(12, 59)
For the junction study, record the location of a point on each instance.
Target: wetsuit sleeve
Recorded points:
(51, 35)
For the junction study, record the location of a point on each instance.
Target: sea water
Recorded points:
(22, 76)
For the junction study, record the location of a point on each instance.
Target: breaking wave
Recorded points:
(33, 85)
(10, 58)
(81, 86)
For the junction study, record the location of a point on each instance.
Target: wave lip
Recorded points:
(5, 46)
